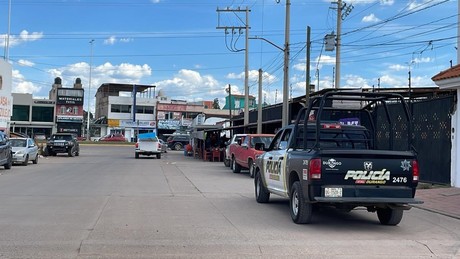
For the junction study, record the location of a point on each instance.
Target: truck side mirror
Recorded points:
(260, 146)
(238, 142)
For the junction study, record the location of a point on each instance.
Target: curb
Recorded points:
(437, 212)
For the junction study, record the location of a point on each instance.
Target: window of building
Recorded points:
(145, 109)
(75, 110)
(120, 108)
(63, 110)
(45, 114)
(20, 113)
(70, 92)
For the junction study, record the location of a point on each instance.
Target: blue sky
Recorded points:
(175, 45)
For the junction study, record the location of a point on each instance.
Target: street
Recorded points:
(106, 204)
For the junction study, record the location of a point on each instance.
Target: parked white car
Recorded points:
(24, 150)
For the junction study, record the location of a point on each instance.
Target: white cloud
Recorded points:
(387, 2)
(253, 76)
(23, 37)
(155, 1)
(107, 72)
(190, 85)
(25, 63)
(112, 40)
(398, 67)
(423, 60)
(358, 2)
(355, 81)
(370, 18)
(323, 60)
(20, 85)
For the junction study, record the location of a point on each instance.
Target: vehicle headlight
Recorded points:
(20, 152)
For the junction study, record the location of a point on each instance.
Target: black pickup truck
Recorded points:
(347, 150)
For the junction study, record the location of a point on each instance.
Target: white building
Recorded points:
(129, 109)
(450, 79)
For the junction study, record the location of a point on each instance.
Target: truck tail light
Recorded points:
(159, 145)
(137, 145)
(314, 169)
(415, 171)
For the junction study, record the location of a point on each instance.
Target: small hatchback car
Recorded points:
(24, 150)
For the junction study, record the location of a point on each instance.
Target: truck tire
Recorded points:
(301, 211)
(70, 153)
(251, 168)
(236, 167)
(136, 155)
(158, 156)
(262, 194)
(390, 217)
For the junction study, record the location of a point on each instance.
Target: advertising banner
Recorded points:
(6, 99)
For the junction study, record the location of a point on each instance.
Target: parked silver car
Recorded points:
(24, 150)
(164, 146)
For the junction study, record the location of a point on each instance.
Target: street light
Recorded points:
(89, 91)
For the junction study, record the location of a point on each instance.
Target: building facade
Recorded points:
(129, 110)
(32, 116)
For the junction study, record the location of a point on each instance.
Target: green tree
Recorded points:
(216, 105)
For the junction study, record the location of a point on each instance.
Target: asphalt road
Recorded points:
(106, 204)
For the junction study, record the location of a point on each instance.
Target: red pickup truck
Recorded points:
(243, 153)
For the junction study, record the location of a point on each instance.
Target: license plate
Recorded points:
(333, 192)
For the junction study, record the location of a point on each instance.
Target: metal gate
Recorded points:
(431, 135)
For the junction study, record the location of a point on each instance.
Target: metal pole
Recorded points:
(307, 69)
(337, 56)
(285, 114)
(246, 74)
(259, 106)
(7, 47)
(230, 103)
(88, 135)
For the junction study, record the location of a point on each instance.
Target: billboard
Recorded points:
(6, 99)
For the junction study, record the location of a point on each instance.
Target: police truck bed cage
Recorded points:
(335, 108)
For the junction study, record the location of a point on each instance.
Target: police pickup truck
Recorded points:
(346, 150)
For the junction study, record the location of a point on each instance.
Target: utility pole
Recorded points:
(285, 114)
(7, 44)
(337, 54)
(246, 57)
(307, 69)
(259, 106)
(88, 135)
(229, 90)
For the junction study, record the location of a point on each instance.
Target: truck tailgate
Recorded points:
(366, 176)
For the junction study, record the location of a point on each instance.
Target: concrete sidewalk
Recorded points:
(442, 200)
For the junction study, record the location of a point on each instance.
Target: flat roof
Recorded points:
(116, 88)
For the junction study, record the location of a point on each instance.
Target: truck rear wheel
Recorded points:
(136, 155)
(390, 217)
(158, 156)
(262, 194)
(301, 211)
